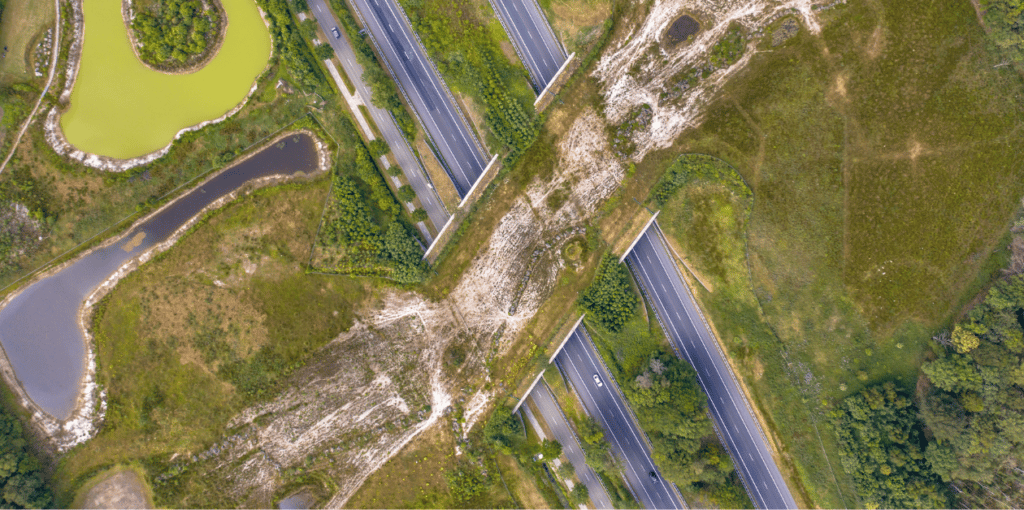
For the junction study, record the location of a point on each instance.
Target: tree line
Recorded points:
(175, 32)
(1005, 20)
(21, 478)
(363, 217)
(968, 424)
(293, 50)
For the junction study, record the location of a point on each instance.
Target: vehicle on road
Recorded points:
(336, 32)
(597, 379)
(654, 476)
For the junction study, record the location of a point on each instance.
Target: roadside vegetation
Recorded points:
(830, 275)
(610, 300)
(293, 51)
(384, 89)
(363, 232)
(174, 33)
(671, 408)
(22, 480)
(468, 54)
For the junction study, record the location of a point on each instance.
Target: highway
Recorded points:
(400, 153)
(461, 153)
(571, 448)
(579, 361)
(684, 324)
(533, 38)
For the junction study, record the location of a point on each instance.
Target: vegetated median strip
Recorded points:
(54, 55)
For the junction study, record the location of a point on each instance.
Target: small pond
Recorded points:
(123, 109)
(682, 28)
(39, 328)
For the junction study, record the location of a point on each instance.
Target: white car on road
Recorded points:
(597, 379)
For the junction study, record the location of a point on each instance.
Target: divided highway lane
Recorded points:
(390, 29)
(530, 32)
(553, 416)
(401, 153)
(579, 361)
(659, 276)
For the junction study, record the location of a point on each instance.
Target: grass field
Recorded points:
(22, 27)
(232, 291)
(577, 23)
(883, 184)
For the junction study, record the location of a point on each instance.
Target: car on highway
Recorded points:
(654, 476)
(336, 32)
(597, 379)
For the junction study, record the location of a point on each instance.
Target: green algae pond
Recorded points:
(123, 109)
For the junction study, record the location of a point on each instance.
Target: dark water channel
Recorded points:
(39, 328)
(682, 28)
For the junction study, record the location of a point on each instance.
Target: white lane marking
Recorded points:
(534, 68)
(617, 397)
(727, 383)
(660, 306)
(426, 118)
(607, 426)
(444, 98)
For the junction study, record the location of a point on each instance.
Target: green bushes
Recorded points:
(975, 408)
(179, 31)
(21, 477)
(692, 167)
(881, 445)
(292, 49)
(610, 299)
(474, 64)
(361, 233)
(1005, 19)
(672, 409)
(729, 49)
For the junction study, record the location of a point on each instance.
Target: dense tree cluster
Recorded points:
(882, 445)
(179, 30)
(672, 409)
(975, 406)
(693, 167)
(459, 42)
(383, 89)
(376, 242)
(610, 299)
(292, 49)
(1005, 20)
(21, 480)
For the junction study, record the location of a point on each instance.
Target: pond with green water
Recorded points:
(123, 109)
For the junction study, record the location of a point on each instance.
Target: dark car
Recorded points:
(654, 476)
(337, 33)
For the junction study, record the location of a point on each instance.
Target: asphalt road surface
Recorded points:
(683, 323)
(571, 448)
(390, 29)
(579, 361)
(400, 153)
(536, 43)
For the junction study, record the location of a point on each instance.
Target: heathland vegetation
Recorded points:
(825, 273)
(175, 32)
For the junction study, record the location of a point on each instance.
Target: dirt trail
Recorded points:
(625, 89)
(54, 54)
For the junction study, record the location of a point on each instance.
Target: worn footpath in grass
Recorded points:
(22, 27)
(224, 314)
(882, 185)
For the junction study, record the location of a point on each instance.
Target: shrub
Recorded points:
(610, 299)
